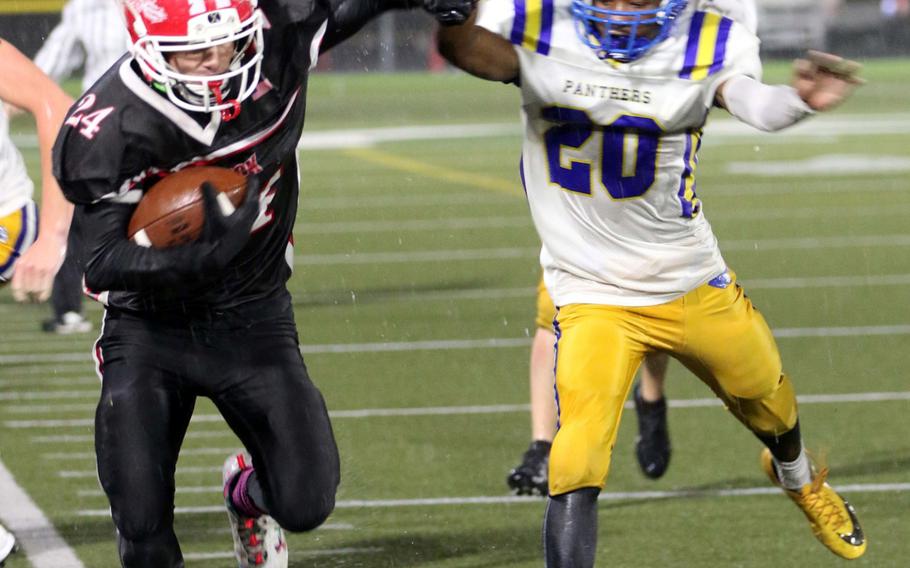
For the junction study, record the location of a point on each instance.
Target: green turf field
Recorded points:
(416, 265)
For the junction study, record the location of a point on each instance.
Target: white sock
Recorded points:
(793, 475)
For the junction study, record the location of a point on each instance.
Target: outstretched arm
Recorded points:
(479, 51)
(24, 85)
(820, 82)
(348, 16)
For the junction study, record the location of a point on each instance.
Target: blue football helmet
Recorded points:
(624, 36)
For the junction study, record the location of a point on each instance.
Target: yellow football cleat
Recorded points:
(832, 519)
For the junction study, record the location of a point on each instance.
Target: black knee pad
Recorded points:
(156, 550)
(304, 514)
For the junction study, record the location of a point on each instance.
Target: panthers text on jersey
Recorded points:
(122, 136)
(611, 150)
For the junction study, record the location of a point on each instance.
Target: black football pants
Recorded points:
(248, 362)
(66, 295)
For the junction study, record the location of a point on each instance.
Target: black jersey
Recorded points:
(123, 136)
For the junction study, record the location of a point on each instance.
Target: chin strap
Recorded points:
(228, 113)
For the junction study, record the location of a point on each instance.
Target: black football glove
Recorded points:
(449, 12)
(223, 236)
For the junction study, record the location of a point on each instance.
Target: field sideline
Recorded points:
(415, 267)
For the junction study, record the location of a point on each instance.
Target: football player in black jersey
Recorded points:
(223, 83)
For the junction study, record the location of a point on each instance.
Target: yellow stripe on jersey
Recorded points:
(691, 205)
(532, 25)
(706, 48)
(695, 141)
(707, 44)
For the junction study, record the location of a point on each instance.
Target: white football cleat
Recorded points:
(258, 542)
(7, 544)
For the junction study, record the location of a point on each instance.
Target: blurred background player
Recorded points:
(90, 37)
(652, 445)
(29, 258)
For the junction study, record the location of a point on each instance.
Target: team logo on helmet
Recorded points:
(149, 9)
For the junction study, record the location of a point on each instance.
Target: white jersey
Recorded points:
(15, 186)
(91, 34)
(610, 151)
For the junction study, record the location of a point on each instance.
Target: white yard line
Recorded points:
(82, 474)
(47, 395)
(717, 215)
(45, 381)
(498, 343)
(84, 438)
(529, 253)
(43, 546)
(417, 296)
(494, 343)
(193, 556)
(61, 456)
(459, 411)
(720, 189)
(717, 130)
(512, 499)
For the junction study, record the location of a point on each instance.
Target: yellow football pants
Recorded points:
(715, 332)
(18, 231)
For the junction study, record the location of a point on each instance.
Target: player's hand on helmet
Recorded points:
(824, 80)
(449, 12)
(226, 230)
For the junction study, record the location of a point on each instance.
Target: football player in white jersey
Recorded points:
(615, 95)
(652, 446)
(29, 258)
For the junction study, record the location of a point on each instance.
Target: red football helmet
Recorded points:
(161, 27)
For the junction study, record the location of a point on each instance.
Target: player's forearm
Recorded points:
(115, 263)
(348, 16)
(766, 107)
(478, 51)
(56, 211)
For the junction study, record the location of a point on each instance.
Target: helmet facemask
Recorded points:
(624, 35)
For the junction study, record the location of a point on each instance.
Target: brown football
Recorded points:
(172, 212)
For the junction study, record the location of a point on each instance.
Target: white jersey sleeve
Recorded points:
(16, 187)
(496, 15)
(718, 48)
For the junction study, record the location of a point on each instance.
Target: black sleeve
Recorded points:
(346, 17)
(113, 262)
(89, 160)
